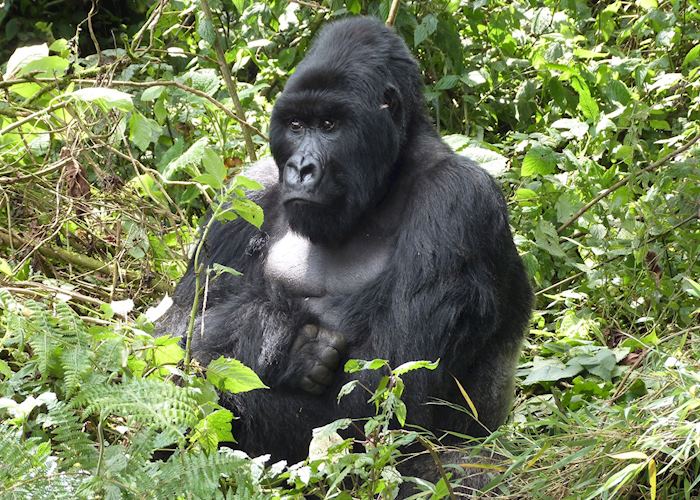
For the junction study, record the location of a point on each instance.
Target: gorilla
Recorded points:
(378, 242)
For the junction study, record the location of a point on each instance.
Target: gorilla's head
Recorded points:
(340, 124)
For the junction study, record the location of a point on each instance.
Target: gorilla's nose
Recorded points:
(302, 173)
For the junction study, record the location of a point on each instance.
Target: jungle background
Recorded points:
(122, 122)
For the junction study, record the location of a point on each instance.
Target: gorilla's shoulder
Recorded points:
(456, 196)
(263, 171)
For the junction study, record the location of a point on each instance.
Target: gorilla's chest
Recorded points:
(306, 270)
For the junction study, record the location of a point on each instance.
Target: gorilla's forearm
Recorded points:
(229, 326)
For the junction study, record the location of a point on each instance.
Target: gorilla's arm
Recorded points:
(451, 289)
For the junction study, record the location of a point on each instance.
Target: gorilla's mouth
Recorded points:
(301, 201)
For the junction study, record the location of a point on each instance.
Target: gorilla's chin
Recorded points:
(322, 224)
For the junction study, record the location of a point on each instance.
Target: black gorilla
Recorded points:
(378, 242)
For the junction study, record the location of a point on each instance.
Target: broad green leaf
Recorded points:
(205, 29)
(249, 211)
(447, 82)
(550, 370)
(214, 165)
(539, 160)
(213, 429)
(146, 185)
(192, 157)
(60, 46)
(46, 67)
(426, 28)
(400, 412)
(143, 131)
(647, 4)
(152, 93)
(571, 128)
(691, 287)
(233, 376)
(167, 351)
(691, 56)
(586, 103)
(547, 239)
(474, 78)
(23, 56)
(247, 183)
(494, 163)
(104, 97)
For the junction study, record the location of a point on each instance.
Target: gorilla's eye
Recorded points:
(327, 125)
(295, 125)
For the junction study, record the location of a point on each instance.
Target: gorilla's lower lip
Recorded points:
(304, 201)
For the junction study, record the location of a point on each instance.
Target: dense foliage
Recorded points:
(120, 125)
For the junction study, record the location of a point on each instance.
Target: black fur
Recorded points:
(363, 174)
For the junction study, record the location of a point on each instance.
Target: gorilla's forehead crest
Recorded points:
(356, 52)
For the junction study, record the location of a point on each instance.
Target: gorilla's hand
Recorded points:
(318, 352)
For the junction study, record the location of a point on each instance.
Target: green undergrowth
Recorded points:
(118, 131)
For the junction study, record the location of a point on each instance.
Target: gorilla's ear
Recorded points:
(392, 101)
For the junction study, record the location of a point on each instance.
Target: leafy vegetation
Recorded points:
(119, 128)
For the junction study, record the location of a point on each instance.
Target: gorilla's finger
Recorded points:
(332, 339)
(321, 375)
(310, 386)
(310, 331)
(330, 357)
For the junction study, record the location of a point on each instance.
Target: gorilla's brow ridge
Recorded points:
(318, 103)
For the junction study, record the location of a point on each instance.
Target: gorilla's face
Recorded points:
(335, 148)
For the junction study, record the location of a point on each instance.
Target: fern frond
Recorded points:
(151, 402)
(73, 445)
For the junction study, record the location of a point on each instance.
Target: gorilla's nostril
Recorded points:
(308, 174)
(304, 173)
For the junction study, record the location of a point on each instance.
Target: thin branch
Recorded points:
(625, 180)
(21, 178)
(393, 12)
(228, 79)
(78, 260)
(31, 117)
(122, 83)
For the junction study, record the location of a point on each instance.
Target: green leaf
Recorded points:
(193, 156)
(212, 430)
(447, 82)
(231, 375)
(104, 97)
(550, 370)
(214, 165)
(152, 93)
(249, 211)
(586, 103)
(220, 269)
(205, 29)
(5, 267)
(547, 239)
(539, 160)
(46, 67)
(691, 287)
(426, 28)
(247, 183)
(356, 365)
(143, 131)
(23, 56)
(691, 56)
(400, 412)
(60, 46)
(494, 163)
(415, 365)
